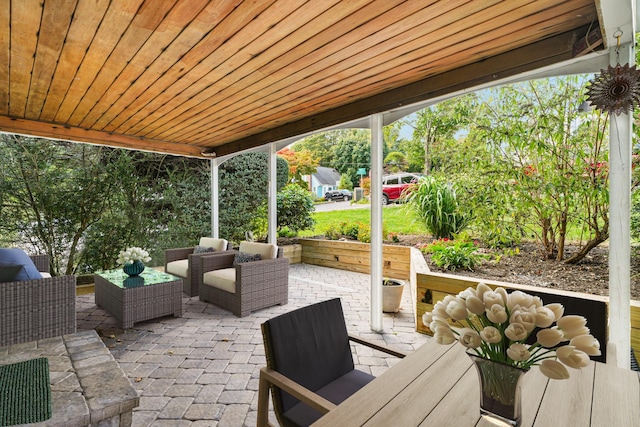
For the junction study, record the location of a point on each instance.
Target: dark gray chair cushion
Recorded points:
(242, 257)
(335, 392)
(202, 249)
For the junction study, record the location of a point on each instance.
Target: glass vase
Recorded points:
(133, 269)
(500, 386)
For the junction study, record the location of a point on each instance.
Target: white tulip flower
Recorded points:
(491, 335)
(481, 289)
(497, 314)
(586, 343)
(550, 337)
(427, 318)
(475, 305)
(572, 357)
(518, 352)
(544, 317)
(470, 338)
(554, 369)
(492, 298)
(525, 318)
(558, 310)
(516, 332)
(457, 309)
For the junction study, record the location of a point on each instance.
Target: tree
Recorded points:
(351, 151)
(345, 182)
(440, 121)
(395, 162)
(51, 193)
(301, 163)
(81, 204)
(319, 145)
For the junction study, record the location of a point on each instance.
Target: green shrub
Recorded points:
(459, 255)
(436, 205)
(429, 248)
(243, 189)
(295, 207)
(285, 232)
(360, 231)
(351, 229)
(333, 232)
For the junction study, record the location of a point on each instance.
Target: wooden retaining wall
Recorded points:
(356, 256)
(293, 252)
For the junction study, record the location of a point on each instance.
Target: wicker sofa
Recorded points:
(248, 286)
(182, 262)
(35, 309)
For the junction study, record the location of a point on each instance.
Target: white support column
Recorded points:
(272, 183)
(215, 191)
(619, 224)
(376, 222)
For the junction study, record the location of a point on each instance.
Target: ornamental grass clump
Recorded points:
(495, 325)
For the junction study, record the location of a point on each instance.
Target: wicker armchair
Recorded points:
(35, 309)
(248, 286)
(181, 262)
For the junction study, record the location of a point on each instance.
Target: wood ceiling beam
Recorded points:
(68, 133)
(536, 55)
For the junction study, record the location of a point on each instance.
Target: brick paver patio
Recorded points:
(202, 369)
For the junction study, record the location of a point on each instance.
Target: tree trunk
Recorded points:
(562, 236)
(586, 248)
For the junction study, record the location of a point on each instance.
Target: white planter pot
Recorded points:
(392, 295)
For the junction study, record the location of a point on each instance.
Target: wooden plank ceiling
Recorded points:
(187, 76)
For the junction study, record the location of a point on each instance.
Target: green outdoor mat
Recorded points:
(25, 392)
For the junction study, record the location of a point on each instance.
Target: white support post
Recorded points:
(215, 204)
(619, 224)
(272, 183)
(376, 222)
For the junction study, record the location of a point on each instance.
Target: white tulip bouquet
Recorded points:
(129, 255)
(495, 324)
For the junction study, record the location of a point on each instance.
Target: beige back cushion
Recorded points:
(217, 244)
(266, 250)
(178, 268)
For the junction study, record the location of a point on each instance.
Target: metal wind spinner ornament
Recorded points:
(616, 89)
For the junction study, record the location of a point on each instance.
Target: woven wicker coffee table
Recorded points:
(150, 295)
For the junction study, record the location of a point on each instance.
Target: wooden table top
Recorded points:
(437, 385)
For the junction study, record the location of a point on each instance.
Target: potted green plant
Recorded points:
(392, 295)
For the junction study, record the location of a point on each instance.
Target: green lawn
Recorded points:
(396, 219)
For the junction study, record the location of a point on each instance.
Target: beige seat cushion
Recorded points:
(266, 250)
(178, 268)
(45, 275)
(216, 244)
(224, 279)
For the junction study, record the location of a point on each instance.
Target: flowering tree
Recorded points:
(301, 163)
